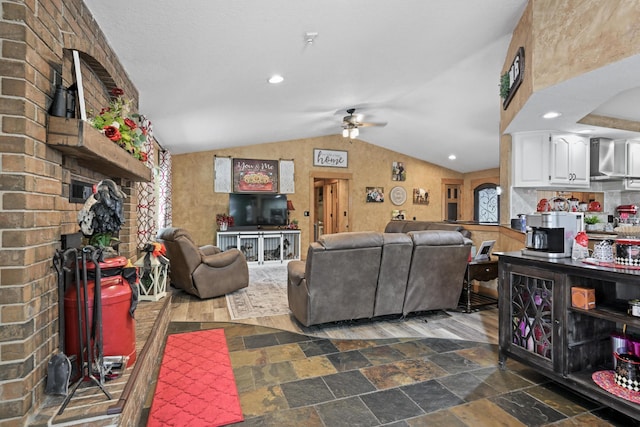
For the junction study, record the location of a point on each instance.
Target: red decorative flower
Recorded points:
(122, 125)
(143, 156)
(112, 133)
(132, 125)
(159, 249)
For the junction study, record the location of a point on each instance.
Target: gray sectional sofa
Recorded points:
(406, 226)
(358, 275)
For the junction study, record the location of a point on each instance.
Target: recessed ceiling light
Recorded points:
(275, 79)
(551, 115)
(452, 156)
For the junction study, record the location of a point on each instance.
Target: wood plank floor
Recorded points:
(480, 326)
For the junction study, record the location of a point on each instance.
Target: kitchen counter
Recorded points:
(602, 235)
(571, 264)
(540, 327)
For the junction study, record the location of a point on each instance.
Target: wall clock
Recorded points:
(398, 196)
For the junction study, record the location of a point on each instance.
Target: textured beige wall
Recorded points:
(562, 40)
(195, 204)
(572, 37)
(521, 37)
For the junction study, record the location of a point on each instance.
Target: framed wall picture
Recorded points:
(375, 194)
(330, 158)
(255, 176)
(420, 196)
(398, 172)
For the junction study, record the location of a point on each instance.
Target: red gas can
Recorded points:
(108, 264)
(118, 327)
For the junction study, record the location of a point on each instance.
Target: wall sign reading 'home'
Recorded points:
(516, 74)
(331, 158)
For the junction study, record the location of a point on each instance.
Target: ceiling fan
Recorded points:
(352, 122)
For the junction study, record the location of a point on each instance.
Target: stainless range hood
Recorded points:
(609, 159)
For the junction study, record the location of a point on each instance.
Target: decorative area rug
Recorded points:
(606, 380)
(196, 386)
(266, 294)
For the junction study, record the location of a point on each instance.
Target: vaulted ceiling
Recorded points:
(429, 69)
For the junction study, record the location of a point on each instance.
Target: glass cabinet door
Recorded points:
(531, 314)
(532, 311)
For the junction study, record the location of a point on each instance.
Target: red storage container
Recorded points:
(118, 327)
(108, 264)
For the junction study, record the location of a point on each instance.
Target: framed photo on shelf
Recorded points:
(484, 252)
(398, 215)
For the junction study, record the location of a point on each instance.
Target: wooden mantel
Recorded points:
(78, 139)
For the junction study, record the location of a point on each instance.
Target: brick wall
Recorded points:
(36, 37)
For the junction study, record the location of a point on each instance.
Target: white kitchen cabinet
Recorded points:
(569, 161)
(263, 246)
(544, 159)
(633, 165)
(530, 159)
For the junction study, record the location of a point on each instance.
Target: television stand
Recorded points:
(262, 246)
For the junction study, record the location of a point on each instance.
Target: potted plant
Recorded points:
(224, 221)
(591, 223)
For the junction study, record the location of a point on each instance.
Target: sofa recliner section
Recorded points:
(338, 279)
(357, 275)
(394, 272)
(438, 264)
(405, 226)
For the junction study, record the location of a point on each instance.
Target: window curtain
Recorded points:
(147, 197)
(164, 204)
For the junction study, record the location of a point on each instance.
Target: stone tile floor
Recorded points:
(288, 379)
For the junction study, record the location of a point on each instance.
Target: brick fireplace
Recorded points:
(35, 178)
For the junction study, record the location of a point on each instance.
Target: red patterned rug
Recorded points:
(196, 386)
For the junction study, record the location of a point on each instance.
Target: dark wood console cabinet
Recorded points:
(539, 327)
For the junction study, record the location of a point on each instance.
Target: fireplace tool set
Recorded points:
(89, 360)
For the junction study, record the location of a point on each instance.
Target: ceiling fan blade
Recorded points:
(379, 124)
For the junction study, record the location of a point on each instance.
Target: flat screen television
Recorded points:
(258, 209)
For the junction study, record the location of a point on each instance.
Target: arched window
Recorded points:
(486, 203)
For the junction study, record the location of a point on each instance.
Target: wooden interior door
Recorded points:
(452, 202)
(331, 202)
(331, 206)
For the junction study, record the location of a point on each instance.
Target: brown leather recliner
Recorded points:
(204, 271)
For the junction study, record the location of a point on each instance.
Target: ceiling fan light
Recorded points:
(345, 133)
(353, 133)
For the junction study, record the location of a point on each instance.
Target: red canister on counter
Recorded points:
(628, 252)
